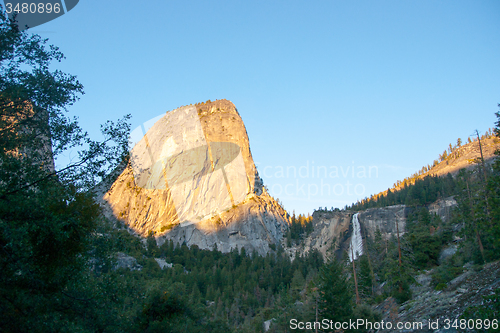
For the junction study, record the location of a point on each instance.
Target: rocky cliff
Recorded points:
(436, 311)
(191, 178)
(330, 233)
(333, 229)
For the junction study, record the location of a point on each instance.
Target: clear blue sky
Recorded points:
(337, 84)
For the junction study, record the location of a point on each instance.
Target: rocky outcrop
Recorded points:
(386, 219)
(447, 305)
(333, 229)
(466, 155)
(254, 224)
(192, 179)
(443, 208)
(126, 261)
(330, 233)
(163, 264)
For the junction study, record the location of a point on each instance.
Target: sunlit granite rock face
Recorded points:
(192, 179)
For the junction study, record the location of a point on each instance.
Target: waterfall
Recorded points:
(356, 240)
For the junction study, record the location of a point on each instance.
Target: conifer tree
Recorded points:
(49, 222)
(335, 294)
(365, 277)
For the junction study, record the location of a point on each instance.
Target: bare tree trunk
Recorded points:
(486, 194)
(400, 260)
(372, 275)
(316, 330)
(399, 245)
(474, 221)
(482, 158)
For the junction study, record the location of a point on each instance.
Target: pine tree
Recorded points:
(494, 196)
(335, 293)
(365, 277)
(297, 284)
(49, 222)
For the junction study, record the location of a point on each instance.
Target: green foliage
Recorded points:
(426, 235)
(493, 195)
(56, 249)
(365, 277)
(219, 288)
(364, 311)
(300, 226)
(490, 309)
(444, 274)
(51, 229)
(440, 286)
(477, 192)
(399, 279)
(335, 292)
(419, 192)
(169, 309)
(152, 248)
(477, 213)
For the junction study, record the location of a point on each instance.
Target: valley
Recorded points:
(412, 245)
(351, 184)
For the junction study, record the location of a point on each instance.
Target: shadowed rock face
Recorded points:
(30, 126)
(330, 233)
(387, 219)
(333, 230)
(443, 208)
(254, 224)
(192, 179)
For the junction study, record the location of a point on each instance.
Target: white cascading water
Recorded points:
(356, 245)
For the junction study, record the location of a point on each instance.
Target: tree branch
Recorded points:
(3, 196)
(76, 298)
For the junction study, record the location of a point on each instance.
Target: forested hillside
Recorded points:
(435, 180)
(65, 267)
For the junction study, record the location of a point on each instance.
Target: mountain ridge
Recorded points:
(460, 157)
